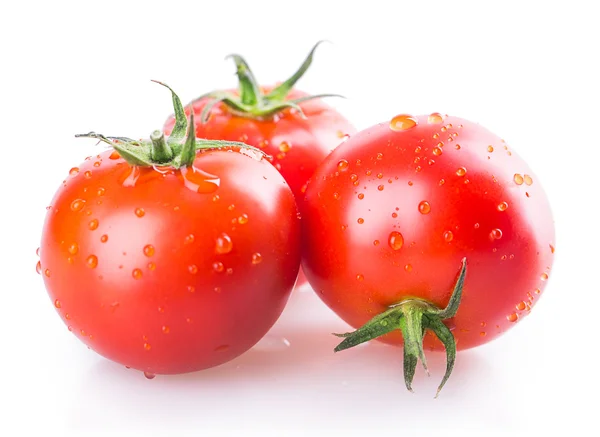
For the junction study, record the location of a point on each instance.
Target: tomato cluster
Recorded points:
(179, 252)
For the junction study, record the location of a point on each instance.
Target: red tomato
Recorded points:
(296, 130)
(390, 214)
(171, 268)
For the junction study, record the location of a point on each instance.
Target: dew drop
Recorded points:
(77, 205)
(375, 242)
(490, 149)
(513, 317)
(551, 248)
(114, 155)
(395, 240)
(521, 306)
(424, 207)
(402, 122)
(380, 187)
(442, 182)
(200, 181)
(101, 191)
(256, 258)
(408, 267)
(410, 183)
(242, 219)
(97, 164)
(136, 273)
(193, 269)
(191, 288)
(57, 304)
(353, 178)
(74, 171)
(47, 272)
(217, 289)
(360, 277)
(73, 249)
(140, 212)
(437, 151)
(38, 268)
(448, 236)
(88, 174)
(189, 239)
(435, 118)
(518, 179)
(457, 147)
(336, 195)
(284, 147)
(544, 276)
(527, 179)
(502, 206)
(360, 221)
(361, 196)
(379, 156)
(218, 267)
(223, 244)
(461, 171)
(418, 149)
(92, 261)
(147, 346)
(93, 225)
(495, 234)
(342, 165)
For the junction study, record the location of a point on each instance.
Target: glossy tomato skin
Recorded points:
(168, 271)
(390, 214)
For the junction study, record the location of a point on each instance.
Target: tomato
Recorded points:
(389, 216)
(176, 263)
(295, 129)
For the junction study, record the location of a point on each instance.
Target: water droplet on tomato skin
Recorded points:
(518, 179)
(495, 234)
(149, 375)
(136, 274)
(395, 240)
(403, 122)
(502, 206)
(408, 267)
(218, 267)
(92, 261)
(437, 151)
(74, 171)
(342, 165)
(551, 248)
(360, 221)
(77, 205)
(149, 250)
(38, 268)
(73, 249)
(285, 147)
(360, 277)
(461, 171)
(193, 269)
(521, 306)
(223, 244)
(242, 219)
(104, 238)
(544, 276)
(114, 155)
(424, 207)
(93, 225)
(147, 346)
(448, 236)
(435, 118)
(256, 258)
(200, 181)
(140, 212)
(57, 304)
(361, 196)
(512, 317)
(528, 180)
(490, 149)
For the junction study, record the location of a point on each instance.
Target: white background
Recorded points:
(526, 70)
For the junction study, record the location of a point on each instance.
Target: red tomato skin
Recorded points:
(374, 184)
(156, 301)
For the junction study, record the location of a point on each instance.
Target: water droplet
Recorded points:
(513, 317)
(189, 239)
(521, 306)
(435, 118)
(217, 289)
(424, 207)
(408, 267)
(215, 198)
(360, 221)
(148, 250)
(93, 225)
(361, 196)
(77, 205)
(223, 244)
(518, 179)
(457, 147)
(74, 171)
(380, 187)
(537, 291)
(394, 215)
(379, 156)
(395, 240)
(193, 269)
(73, 249)
(38, 268)
(200, 181)
(284, 147)
(165, 329)
(243, 219)
(342, 165)
(229, 270)
(448, 236)
(140, 212)
(101, 191)
(495, 234)
(114, 155)
(437, 151)
(403, 122)
(527, 179)
(490, 149)
(147, 347)
(544, 276)
(502, 206)
(336, 195)
(375, 242)
(353, 178)
(47, 272)
(57, 304)
(97, 164)
(256, 258)
(92, 261)
(418, 168)
(88, 174)
(218, 267)
(418, 149)
(359, 277)
(551, 248)
(136, 273)
(151, 266)
(503, 257)
(461, 171)
(417, 160)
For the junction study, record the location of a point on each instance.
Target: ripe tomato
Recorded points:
(167, 261)
(295, 129)
(389, 216)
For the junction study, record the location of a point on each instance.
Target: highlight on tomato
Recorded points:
(428, 232)
(171, 255)
(296, 130)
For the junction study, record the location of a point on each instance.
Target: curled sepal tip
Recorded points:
(413, 317)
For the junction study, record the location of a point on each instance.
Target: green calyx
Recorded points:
(177, 150)
(412, 317)
(251, 102)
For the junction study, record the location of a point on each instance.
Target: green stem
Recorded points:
(161, 151)
(412, 317)
(249, 89)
